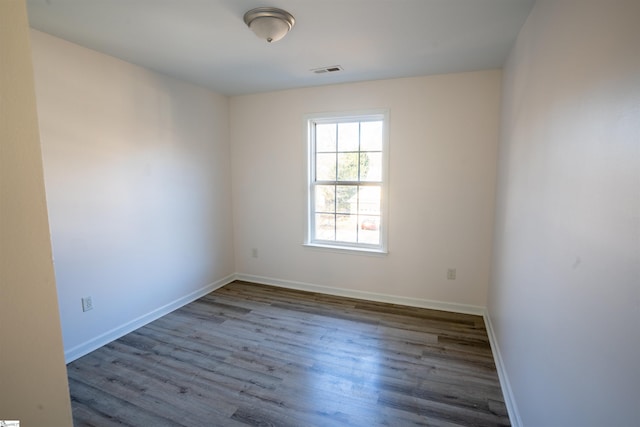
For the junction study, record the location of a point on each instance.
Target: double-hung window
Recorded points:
(347, 174)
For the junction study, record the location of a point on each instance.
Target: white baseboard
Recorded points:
(370, 296)
(512, 409)
(115, 333)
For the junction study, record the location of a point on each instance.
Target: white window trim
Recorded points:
(344, 247)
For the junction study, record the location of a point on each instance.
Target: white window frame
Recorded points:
(319, 118)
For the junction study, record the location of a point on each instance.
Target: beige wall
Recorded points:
(565, 292)
(443, 142)
(33, 381)
(137, 175)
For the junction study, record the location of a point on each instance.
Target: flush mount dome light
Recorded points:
(269, 23)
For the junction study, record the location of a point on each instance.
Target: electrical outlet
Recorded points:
(254, 252)
(451, 274)
(87, 304)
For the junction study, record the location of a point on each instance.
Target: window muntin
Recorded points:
(347, 172)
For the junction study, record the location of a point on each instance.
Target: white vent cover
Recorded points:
(329, 69)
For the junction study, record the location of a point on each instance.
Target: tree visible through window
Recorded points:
(346, 188)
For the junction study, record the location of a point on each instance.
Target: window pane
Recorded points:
(326, 166)
(347, 162)
(325, 227)
(326, 137)
(369, 203)
(370, 166)
(369, 231)
(347, 166)
(325, 198)
(346, 228)
(346, 200)
(348, 136)
(371, 136)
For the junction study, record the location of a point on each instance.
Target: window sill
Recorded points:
(347, 249)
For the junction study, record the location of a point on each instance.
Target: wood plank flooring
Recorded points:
(256, 355)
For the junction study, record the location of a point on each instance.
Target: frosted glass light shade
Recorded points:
(269, 23)
(269, 29)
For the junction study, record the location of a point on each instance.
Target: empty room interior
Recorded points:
(415, 212)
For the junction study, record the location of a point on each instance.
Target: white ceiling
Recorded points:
(206, 41)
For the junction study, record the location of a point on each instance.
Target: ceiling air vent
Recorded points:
(330, 69)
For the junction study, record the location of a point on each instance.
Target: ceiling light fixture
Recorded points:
(269, 23)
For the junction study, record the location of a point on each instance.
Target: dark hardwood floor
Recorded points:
(256, 355)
